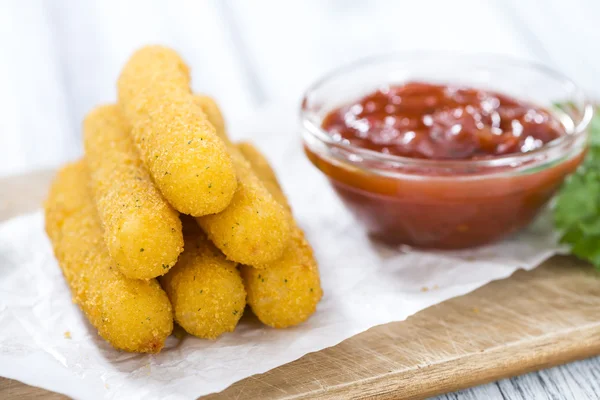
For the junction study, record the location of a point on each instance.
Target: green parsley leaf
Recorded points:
(577, 207)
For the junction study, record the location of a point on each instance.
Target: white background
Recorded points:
(58, 59)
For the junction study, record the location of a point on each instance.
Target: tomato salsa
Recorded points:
(447, 208)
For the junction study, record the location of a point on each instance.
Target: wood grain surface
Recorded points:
(530, 321)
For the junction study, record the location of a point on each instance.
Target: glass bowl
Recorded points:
(446, 204)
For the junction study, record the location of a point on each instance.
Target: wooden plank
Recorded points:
(11, 389)
(530, 321)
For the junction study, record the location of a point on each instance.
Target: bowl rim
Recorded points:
(358, 156)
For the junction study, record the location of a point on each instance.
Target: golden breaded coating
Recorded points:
(132, 315)
(188, 162)
(263, 170)
(254, 229)
(287, 292)
(141, 230)
(206, 289)
(214, 115)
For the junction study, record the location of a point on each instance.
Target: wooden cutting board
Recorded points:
(529, 321)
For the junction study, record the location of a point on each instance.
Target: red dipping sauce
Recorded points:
(452, 194)
(440, 122)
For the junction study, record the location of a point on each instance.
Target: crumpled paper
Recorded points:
(45, 341)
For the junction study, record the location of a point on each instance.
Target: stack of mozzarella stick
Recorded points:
(166, 219)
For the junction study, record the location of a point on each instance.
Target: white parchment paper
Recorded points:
(45, 340)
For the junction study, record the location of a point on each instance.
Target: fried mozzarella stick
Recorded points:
(205, 289)
(285, 293)
(178, 145)
(254, 229)
(132, 315)
(141, 230)
(215, 116)
(263, 170)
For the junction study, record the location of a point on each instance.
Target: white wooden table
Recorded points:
(59, 59)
